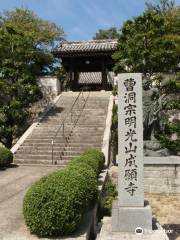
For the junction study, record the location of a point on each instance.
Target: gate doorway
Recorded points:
(88, 63)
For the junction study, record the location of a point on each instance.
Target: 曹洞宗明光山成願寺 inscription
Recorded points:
(130, 136)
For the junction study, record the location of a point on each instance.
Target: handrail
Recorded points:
(74, 124)
(63, 122)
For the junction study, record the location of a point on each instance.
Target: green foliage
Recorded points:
(96, 154)
(165, 135)
(61, 74)
(109, 194)
(147, 44)
(170, 128)
(6, 157)
(55, 205)
(115, 90)
(25, 42)
(115, 115)
(42, 31)
(164, 7)
(92, 158)
(171, 104)
(171, 87)
(172, 145)
(110, 33)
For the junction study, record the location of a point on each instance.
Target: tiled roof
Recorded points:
(107, 45)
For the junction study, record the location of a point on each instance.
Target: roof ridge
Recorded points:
(91, 41)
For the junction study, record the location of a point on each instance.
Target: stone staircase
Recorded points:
(84, 129)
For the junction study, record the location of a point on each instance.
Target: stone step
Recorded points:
(49, 152)
(67, 128)
(39, 162)
(46, 156)
(63, 141)
(73, 135)
(41, 158)
(86, 134)
(89, 119)
(61, 138)
(82, 124)
(40, 144)
(70, 144)
(28, 149)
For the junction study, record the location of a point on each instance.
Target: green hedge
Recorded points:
(6, 157)
(55, 205)
(93, 158)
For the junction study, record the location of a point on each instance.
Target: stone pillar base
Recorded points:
(131, 219)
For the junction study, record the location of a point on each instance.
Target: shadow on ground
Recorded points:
(12, 165)
(175, 228)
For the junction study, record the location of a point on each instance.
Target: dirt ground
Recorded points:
(166, 209)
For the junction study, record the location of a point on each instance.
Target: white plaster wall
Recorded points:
(49, 85)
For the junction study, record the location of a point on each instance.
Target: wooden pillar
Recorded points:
(71, 74)
(75, 81)
(104, 76)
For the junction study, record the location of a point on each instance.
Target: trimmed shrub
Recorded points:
(6, 157)
(88, 186)
(55, 205)
(93, 158)
(98, 155)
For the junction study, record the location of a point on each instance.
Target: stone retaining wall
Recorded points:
(162, 175)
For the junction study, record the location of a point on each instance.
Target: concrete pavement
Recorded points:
(14, 182)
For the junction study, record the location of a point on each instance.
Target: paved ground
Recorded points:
(107, 234)
(14, 182)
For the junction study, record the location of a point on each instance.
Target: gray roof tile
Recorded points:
(87, 46)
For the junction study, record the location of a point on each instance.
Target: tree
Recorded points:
(146, 45)
(110, 33)
(162, 8)
(43, 32)
(171, 14)
(25, 43)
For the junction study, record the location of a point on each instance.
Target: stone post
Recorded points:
(130, 211)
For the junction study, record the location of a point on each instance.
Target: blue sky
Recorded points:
(81, 19)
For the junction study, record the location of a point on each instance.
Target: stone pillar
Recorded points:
(130, 211)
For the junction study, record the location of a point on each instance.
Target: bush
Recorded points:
(172, 145)
(171, 104)
(93, 158)
(6, 157)
(164, 136)
(88, 186)
(115, 90)
(109, 195)
(55, 204)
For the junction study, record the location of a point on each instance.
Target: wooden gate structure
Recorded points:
(88, 63)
